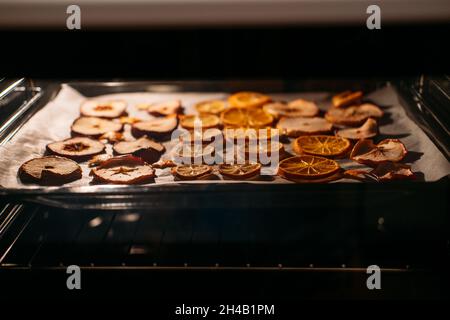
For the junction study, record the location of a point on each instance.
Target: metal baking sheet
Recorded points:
(53, 121)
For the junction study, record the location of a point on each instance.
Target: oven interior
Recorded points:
(231, 235)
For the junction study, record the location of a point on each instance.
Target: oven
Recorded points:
(275, 242)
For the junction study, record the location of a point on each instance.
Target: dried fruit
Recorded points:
(50, 170)
(143, 147)
(307, 167)
(162, 164)
(295, 108)
(387, 171)
(165, 108)
(240, 171)
(98, 159)
(79, 148)
(247, 99)
(326, 146)
(123, 170)
(112, 137)
(192, 171)
(204, 137)
(248, 134)
(253, 152)
(103, 109)
(211, 107)
(129, 120)
(242, 118)
(353, 116)
(365, 151)
(368, 130)
(193, 153)
(202, 121)
(94, 127)
(159, 129)
(346, 98)
(297, 126)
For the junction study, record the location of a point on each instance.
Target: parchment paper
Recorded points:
(52, 123)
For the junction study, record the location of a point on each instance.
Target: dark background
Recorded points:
(279, 52)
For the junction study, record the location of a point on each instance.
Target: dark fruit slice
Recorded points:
(123, 170)
(143, 147)
(295, 108)
(240, 171)
(165, 108)
(368, 130)
(191, 171)
(297, 126)
(50, 170)
(353, 116)
(79, 148)
(103, 109)
(346, 98)
(159, 129)
(365, 151)
(94, 127)
(162, 164)
(392, 171)
(98, 159)
(112, 137)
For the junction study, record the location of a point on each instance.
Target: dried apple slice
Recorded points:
(253, 151)
(247, 99)
(193, 153)
(79, 148)
(387, 171)
(365, 151)
(49, 170)
(129, 120)
(192, 171)
(159, 129)
(103, 109)
(202, 136)
(353, 116)
(143, 147)
(162, 164)
(98, 159)
(94, 127)
(368, 130)
(166, 108)
(346, 98)
(123, 170)
(297, 126)
(240, 171)
(112, 137)
(295, 108)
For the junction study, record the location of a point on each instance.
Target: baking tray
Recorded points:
(120, 197)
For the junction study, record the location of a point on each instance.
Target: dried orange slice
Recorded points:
(203, 121)
(240, 171)
(242, 117)
(248, 134)
(247, 99)
(307, 167)
(327, 146)
(191, 172)
(211, 106)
